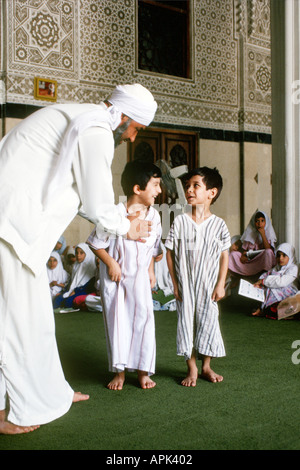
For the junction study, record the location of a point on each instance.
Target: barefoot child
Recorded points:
(126, 279)
(197, 256)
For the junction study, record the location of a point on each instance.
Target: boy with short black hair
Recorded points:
(126, 279)
(197, 256)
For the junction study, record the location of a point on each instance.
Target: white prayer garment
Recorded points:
(31, 372)
(127, 305)
(30, 369)
(197, 250)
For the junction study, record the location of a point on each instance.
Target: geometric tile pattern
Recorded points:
(89, 46)
(44, 36)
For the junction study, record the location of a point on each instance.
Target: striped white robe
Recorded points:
(197, 250)
(128, 305)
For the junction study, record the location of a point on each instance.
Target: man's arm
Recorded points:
(92, 169)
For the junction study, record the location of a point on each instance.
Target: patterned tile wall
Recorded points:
(89, 46)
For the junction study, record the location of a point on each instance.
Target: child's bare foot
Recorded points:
(211, 376)
(257, 313)
(145, 381)
(117, 382)
(192, 376)
(191, 379)
(9, 428)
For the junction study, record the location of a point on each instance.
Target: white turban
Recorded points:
(135, 101)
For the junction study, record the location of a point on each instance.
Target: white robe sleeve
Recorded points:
(284, 280)
(96, 242)
(92, 169)
(279, 281)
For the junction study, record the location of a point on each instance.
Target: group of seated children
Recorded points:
(254, 256)
(73, 278)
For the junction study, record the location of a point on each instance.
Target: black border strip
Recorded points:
(21, 111)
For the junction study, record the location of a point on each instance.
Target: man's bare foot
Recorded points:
(117, 382)
(9, 428)
(211, 376)
(78, 396)
(145, 381)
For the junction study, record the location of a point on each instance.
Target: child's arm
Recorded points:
(244, 258)
(171, 266)
(264, 238)
(219, 290)
(113, 267)
(55, 283)
(277, 282)
(259, 283)
(152, 273)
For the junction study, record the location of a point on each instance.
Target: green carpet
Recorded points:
(255, 407)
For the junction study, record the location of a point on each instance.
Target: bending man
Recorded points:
(54, 164)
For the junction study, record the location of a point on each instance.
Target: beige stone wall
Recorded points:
(225, 156)
(10, 123)
(257, 179)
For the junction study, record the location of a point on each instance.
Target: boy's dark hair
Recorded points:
(138, 172)
(211, 179)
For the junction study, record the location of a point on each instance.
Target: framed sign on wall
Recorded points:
(45, 89)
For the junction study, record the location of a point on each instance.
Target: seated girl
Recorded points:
(61, 245)
(57, 275)
(257, 250)
(90, 301)
(69, 259)
(279, 283)
(82, 277)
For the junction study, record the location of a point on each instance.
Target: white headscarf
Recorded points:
(63, 242)
(288, 250)
(58, 274)
(84, 271)
(133, 100)
(252, 235)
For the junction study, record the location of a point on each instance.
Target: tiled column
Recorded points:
(285, 46)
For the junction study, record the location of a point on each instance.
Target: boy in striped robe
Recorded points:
(197, 255)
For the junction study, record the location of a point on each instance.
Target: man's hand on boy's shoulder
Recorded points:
(139, 229)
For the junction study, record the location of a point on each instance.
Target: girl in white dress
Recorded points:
(82, 277)
(126, 279)
(57, 275)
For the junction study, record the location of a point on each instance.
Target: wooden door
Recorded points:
(174, 147)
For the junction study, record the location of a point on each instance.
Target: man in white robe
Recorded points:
(54, 164)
